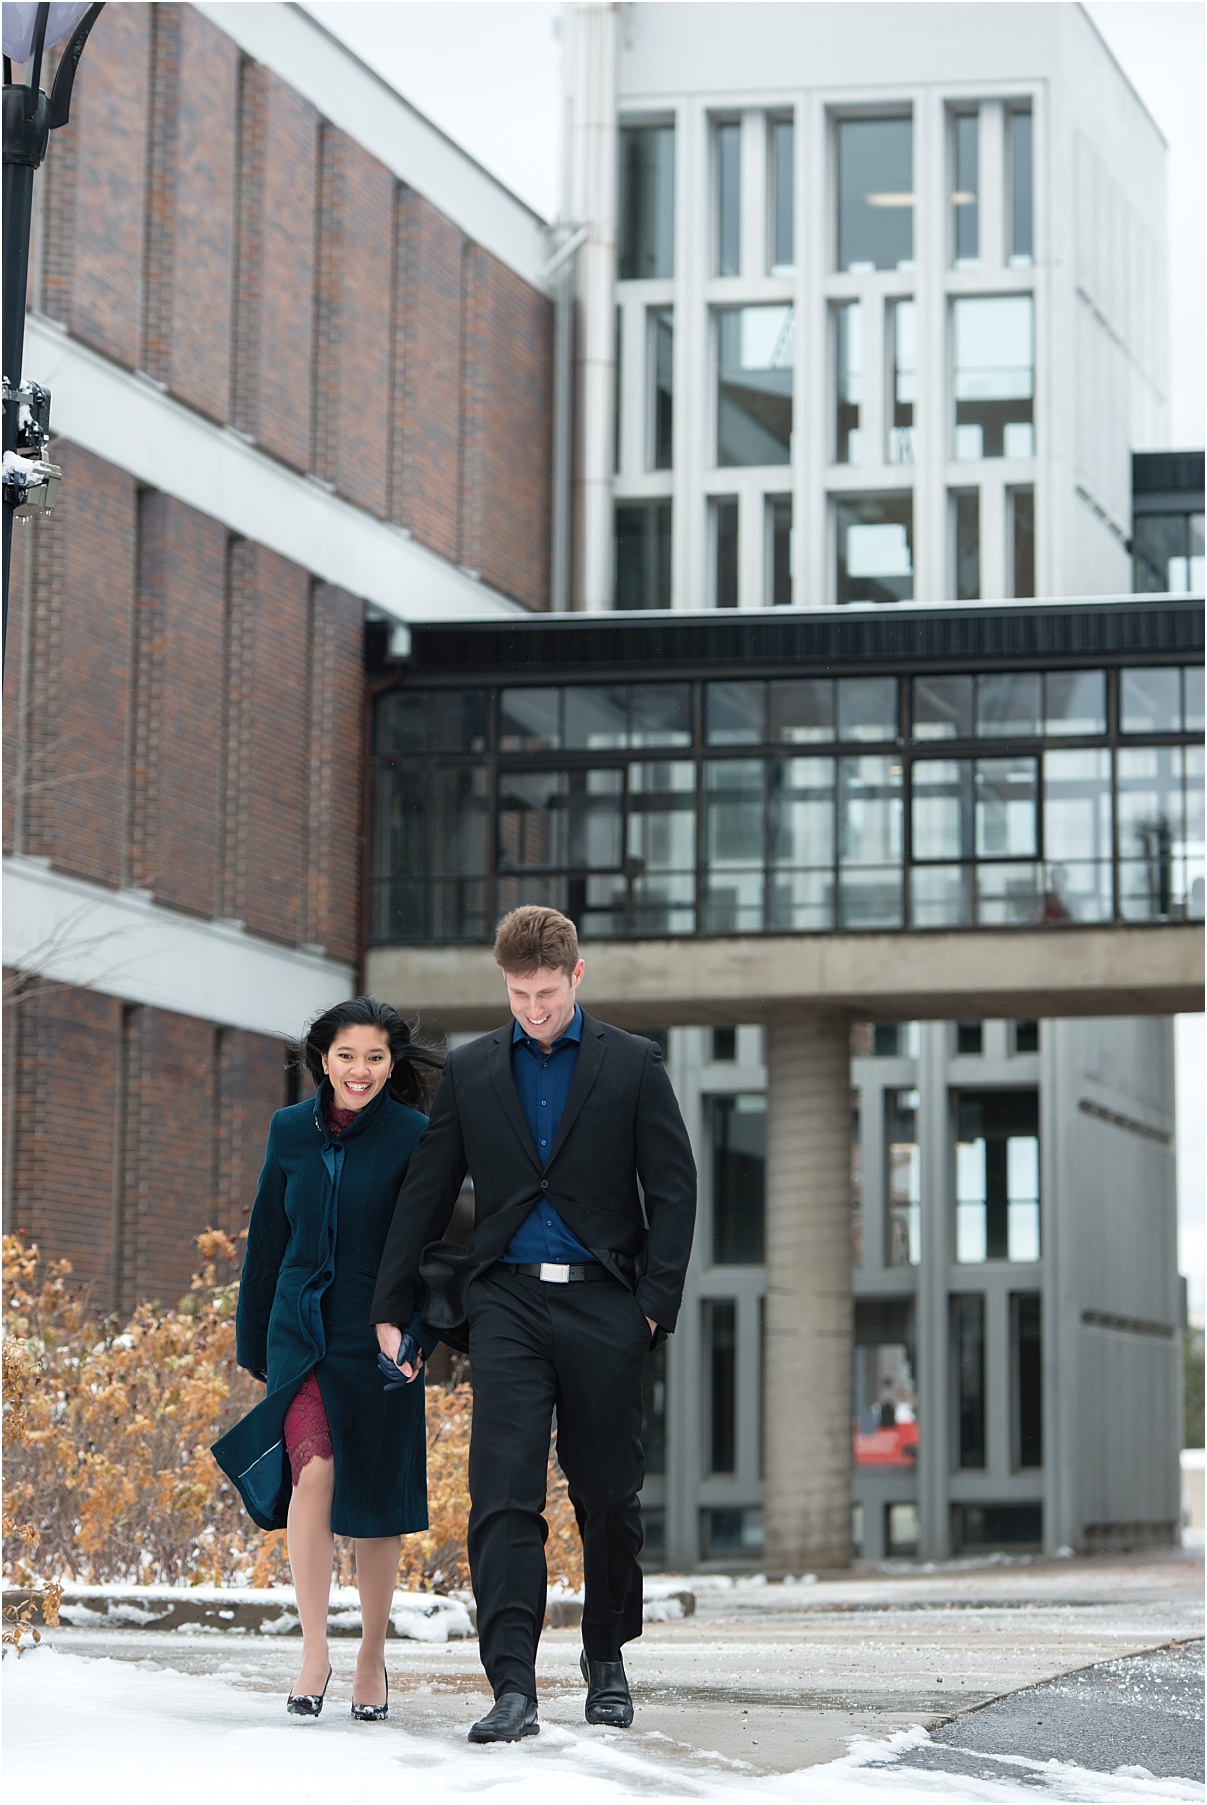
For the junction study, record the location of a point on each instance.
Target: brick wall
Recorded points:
(63, 1095)
(427, 475)
(275, 265)
(513, 400)
(176, 776)
(190, 200)
(266, 807)
(75, 669)
(135, 1129)
(250, 1084)
(353, 327)
(96, 179)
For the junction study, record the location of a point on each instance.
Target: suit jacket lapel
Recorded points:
(499, 1061)
(586, 1070)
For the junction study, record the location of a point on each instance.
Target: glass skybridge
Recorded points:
(908, 768)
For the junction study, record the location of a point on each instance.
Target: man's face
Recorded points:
(542, 1001)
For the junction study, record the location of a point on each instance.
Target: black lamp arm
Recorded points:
(64, 81)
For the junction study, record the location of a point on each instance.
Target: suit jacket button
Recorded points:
(544, 1184)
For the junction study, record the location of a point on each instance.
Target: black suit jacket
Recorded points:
(621, 1175)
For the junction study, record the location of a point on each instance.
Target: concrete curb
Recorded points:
(416, 1616)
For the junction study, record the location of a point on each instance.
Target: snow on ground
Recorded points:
(105, 1730)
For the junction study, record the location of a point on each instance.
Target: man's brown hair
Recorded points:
(536, 939)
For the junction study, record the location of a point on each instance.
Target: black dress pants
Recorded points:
(535, 1348)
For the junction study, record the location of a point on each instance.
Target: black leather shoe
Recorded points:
(373, 1714)
(509, 1718)
(609, 1700)
(307, 1704)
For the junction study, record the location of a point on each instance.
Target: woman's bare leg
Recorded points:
(376, 1571)
(311, 1550)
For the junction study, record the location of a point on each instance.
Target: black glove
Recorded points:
(391, 1370)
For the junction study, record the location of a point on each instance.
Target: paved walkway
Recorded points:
(771, 1678)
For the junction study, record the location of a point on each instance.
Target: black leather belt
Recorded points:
(554, 1274)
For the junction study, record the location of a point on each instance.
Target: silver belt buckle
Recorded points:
(554, 1275)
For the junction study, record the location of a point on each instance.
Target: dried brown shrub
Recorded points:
(108, 1473)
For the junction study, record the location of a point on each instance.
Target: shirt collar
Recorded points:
(573, 1032)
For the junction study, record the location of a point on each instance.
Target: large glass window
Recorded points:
(782, 186)
(724, 510)
(997, 1176)
(738, 1138)
(793, 815)
(885, 1400)
(994, 376)
(965, 198)
(647, 201)
(1160, 830)
(720, 1328)
(848, 380)
(735, 714)
(1021, 504)
(903, 330)
(1167, 554)
(1026, 1381)
(643, 554)
(875, 193)
(662, 387)
(968, 1372)
(802, 845)
(755, 354)
(966, 524)
(661, 850)
(1077, 836)
(733, 846)
(942, 708)
(870, 810)
(728, 139)
(779, 550)
(1022, 230)
(432, 720)
(903, 1178)
(875, 548)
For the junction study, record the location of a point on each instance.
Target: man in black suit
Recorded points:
(585, 1199)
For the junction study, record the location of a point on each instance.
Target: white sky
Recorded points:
(488, 72)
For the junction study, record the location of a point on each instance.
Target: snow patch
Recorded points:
(138, 1732)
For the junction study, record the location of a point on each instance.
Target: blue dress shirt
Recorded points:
(542, 1082)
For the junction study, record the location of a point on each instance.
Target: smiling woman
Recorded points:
(328, 1451)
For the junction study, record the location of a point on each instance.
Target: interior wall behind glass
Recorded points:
(875, 159)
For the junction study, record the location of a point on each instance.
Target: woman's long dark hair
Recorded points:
(413, 1080)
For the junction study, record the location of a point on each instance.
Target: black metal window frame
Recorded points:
(500, 888)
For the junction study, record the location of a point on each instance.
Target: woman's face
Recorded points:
(358, 1063)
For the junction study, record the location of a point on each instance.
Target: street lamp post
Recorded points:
(30, 483)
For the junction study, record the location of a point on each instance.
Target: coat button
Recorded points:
(544, 1184)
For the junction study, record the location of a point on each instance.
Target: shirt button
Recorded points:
(544, 1105)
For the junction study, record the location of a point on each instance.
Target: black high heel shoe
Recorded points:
(373, 1714)
(307, 1704)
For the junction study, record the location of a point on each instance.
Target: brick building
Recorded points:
(301, 356)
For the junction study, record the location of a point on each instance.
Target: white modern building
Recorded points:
(872, 309)
(882, 292)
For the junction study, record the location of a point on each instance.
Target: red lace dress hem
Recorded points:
(307, 1431)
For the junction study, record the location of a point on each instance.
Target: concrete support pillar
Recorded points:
(810, 1318)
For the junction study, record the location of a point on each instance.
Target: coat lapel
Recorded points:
(586, 1071)
(499, 1062)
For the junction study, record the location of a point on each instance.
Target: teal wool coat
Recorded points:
(314, 1244)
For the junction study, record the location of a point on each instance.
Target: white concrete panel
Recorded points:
(356, 99)
(124, 944)
(130, 422)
